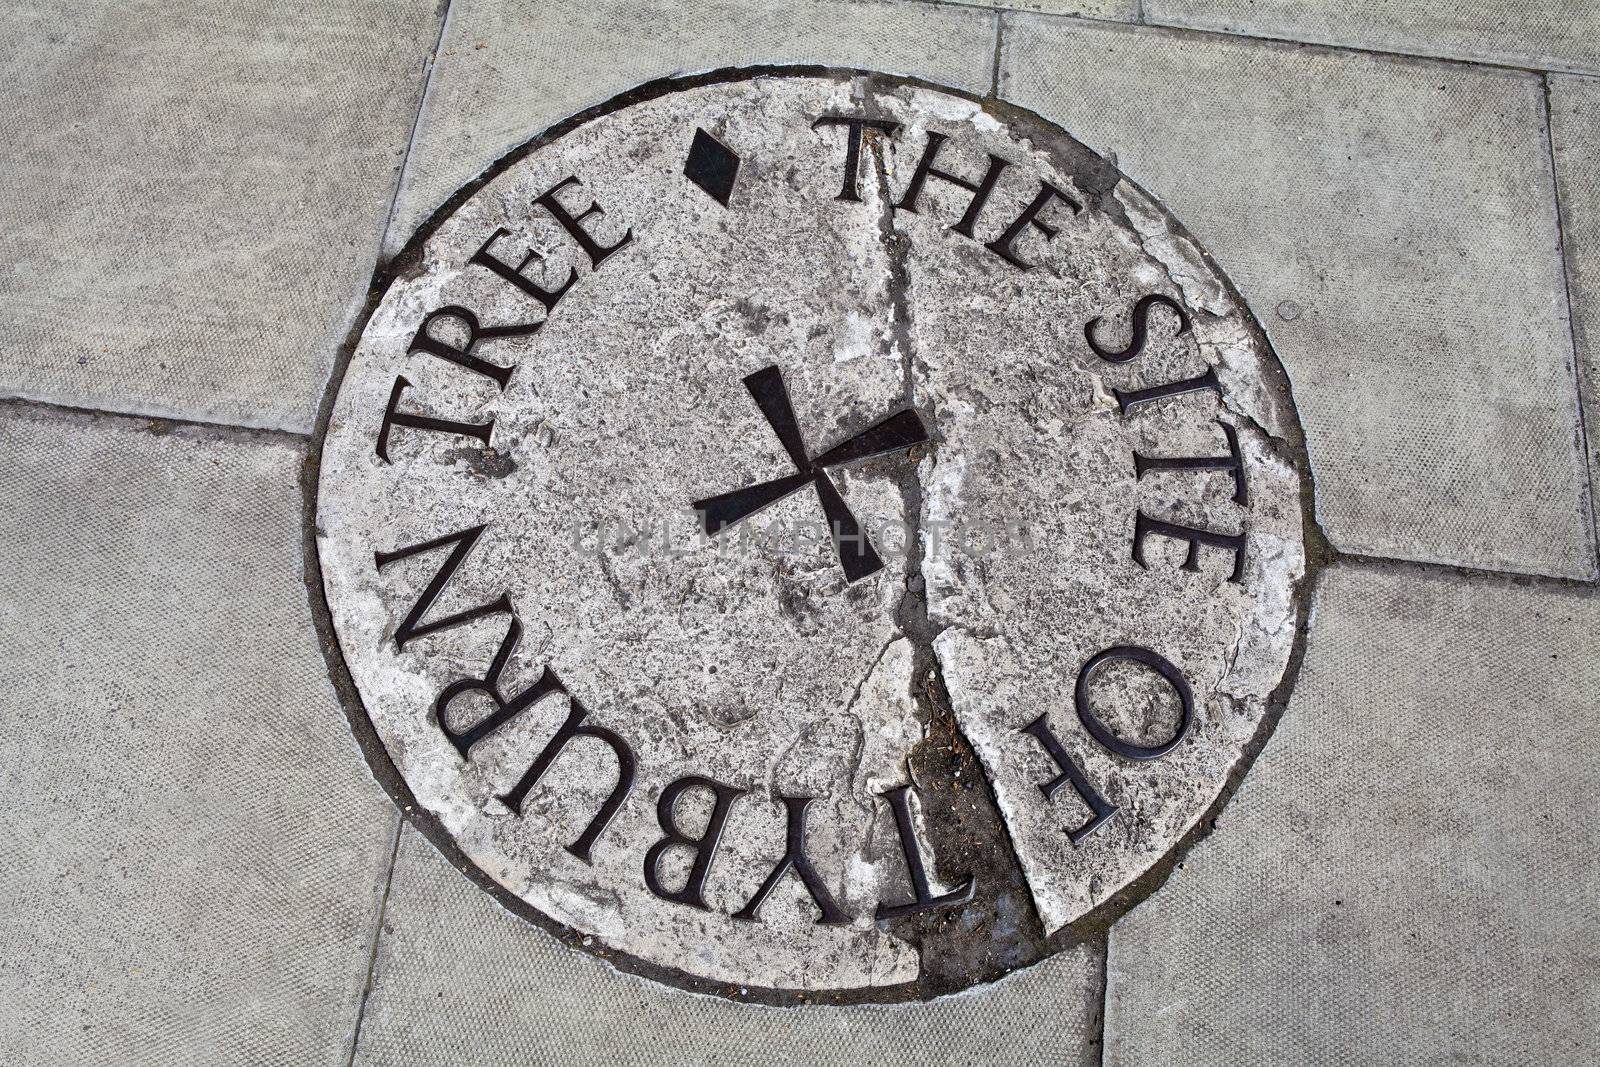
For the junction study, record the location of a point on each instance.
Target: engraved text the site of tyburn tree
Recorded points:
(604, 241)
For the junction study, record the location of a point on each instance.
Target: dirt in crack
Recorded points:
(999, 930)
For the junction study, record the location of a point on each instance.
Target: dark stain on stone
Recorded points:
(758, 316)
(999, 930)
(484, 462)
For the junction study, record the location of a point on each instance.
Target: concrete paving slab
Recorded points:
(1575, 142)
(508, 70)
(1392, 223)
(459, 982)
(1544, 34)
(195, 848)
(194, 197)
(1408, 874)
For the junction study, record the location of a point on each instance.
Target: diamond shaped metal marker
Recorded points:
(712, 166)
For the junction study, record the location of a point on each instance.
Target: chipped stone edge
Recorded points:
(1090, 930)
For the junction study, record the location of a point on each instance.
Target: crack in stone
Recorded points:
(872, 669)
(967, 830)
(624, 600)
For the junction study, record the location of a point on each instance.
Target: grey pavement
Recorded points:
(194, 197)
(197, 195)
(1408, 875)
(195, 851)
(1541, 34)
(515, 995)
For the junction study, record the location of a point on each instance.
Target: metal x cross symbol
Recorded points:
(899, 431)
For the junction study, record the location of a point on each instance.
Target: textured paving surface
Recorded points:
(194, 194)
(1408, 874)
(498, 81)
(194, 846)
(460, 982)
(1391, 223)
(1550, 34)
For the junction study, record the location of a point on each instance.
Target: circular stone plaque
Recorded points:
(810, 535)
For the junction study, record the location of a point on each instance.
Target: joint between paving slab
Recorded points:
(999, 44)
(1493, 64)
(1451, 570)
(377, 936)
(1097, 1042)
(158, 425)
(1002, 9)
(1179, 30)
(1572, 333)
(432, 63)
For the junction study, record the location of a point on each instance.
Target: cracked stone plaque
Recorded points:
(810, 535)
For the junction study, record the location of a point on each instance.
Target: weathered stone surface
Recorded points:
(1408, 874)
(1392, 223)
(1575, 141)
(194, 850)
(499, 80)
(194, 195)
(460, 983)
(1549, 34)
(569, 530)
